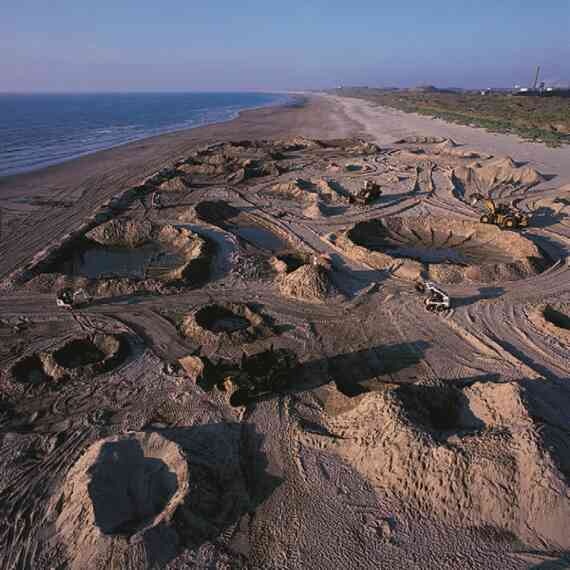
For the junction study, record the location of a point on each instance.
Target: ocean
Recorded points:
(40, 130)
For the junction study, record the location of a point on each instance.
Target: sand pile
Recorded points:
(504, 171)
(79, 358)
(450, 148)
(122, 486)
(241, 323)
(298, 143)
(331, 192)
(311, 282)
(472, 456)
(298, 190)
(191, 254)
(124, 256)
(448, 251)
(316, 209)
(236, 162)
(421, 140)
(180, 183)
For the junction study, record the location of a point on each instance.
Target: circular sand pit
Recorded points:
(240, 322)
(90, 355)
(449, 251)
(432, 408)
(220, 319)
(215, 211)
(290, 261)
(131, 250)
(122, 486)
(30, 370)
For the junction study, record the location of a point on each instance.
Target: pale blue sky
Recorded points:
(110, 45)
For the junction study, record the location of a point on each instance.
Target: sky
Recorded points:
(270, 45)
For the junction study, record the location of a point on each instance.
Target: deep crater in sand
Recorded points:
(77, 358)
(135, 252)
(95, 261)
(100, 351)
(448, 250)
(121, 486)
(217, 319)
(30, 370)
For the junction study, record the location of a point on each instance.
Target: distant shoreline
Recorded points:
(293, 100)
(55, 200)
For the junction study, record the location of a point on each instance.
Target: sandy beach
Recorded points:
(250, 377)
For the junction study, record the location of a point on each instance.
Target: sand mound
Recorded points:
(122, 486)
(504, 171)
(471, 456)
(421, 140)
(298, 143)
(180, 183)
(185, 256)
(448, 251)
(451, 148)
(317, 209)
(289, 261)
(331, 192)
(311, 282)
(299, 190)
(122, 233)
(238, 322)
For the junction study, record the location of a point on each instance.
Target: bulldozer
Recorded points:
(369, 192)
(504, 216)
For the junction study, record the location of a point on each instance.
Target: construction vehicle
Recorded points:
(259, 375)
(369, 192)
(504, 216)
(437, 300)
(67, 298)
(156, 201)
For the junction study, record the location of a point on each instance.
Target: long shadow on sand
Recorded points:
(228, 480)
(356, 372)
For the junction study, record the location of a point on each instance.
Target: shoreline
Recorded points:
(55, 199)
(294, 100)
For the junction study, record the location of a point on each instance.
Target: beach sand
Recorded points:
(273, 394)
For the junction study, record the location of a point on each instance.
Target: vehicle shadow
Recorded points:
(485, 293)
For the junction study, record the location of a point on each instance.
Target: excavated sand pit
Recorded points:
(78, 358)
(435, 408)
(239, 322)
(127, 255)
(92, 354)
(449, 251)
(30, 370)
(122, 486)
(215, 211)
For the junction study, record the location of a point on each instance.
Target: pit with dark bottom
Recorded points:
(448, 250)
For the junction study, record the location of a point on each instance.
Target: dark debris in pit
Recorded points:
(437, 409)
